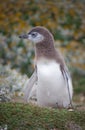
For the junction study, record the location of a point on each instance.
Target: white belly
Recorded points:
(52, 90)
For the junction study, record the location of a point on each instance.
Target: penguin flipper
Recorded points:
(29, 85)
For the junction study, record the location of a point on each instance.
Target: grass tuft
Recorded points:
(29, 117)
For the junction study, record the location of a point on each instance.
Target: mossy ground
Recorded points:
(19, 116)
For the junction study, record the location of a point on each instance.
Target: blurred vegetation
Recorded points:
(27, 116)
(11, 84)
(65, 19)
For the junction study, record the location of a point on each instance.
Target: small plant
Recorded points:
(11, 84)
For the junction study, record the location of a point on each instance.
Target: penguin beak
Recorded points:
(24, 36)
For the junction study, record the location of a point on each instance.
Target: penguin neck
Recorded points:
(45, 50)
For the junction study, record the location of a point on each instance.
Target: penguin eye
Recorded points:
(34, 34)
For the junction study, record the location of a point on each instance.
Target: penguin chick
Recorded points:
(54, 85)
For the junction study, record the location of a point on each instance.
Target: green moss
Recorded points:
(29, 117)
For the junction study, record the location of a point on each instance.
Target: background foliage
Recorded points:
(65, 19)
